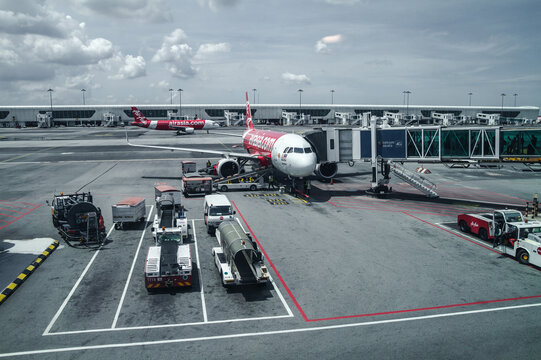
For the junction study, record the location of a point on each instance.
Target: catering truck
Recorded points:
(238, 259)
(170, 216)
(168, 263)
(485, 225)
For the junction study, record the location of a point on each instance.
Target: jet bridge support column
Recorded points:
(378, 185)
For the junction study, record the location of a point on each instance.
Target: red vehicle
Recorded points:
(485, 225)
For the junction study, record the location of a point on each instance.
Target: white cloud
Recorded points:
(71, 51)
(207, 51)
(322, 44)
(140, 10)
(297, 79)
(215, 5)
(80, 81)
(176, 54)
(134, 67)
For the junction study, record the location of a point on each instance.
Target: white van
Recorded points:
(217, 209)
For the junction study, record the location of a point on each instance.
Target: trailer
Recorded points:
(238, 259)
(195, 183)
(129, 211)
(526, 248)
(170, 216)
(168, 263)
(486, 225)
(253, 180)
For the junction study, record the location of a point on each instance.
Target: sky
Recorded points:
(367, 51)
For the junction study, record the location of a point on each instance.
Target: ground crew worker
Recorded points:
(208, 163)
(308, 187)
(271, 182)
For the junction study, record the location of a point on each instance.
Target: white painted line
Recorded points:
(67, 299)
(289, 312)
(131, 272)
(203, 304)
(148, 327)
(265, 333)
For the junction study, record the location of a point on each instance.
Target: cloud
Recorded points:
(134, 67)
(215, 5)
(177, 55)
(71, 51)
(322, 44)
(140, 10)
(297, 79)
(208, 51)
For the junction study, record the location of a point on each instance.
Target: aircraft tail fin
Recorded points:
(249, 123)
(138, 115)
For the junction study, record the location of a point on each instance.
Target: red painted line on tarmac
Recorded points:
(11, 216)
(6, 221)
(426, 308)
(272, 265)
(401, 205)
(394, 210)
(15, 211)
(22, 215)
(17, 202)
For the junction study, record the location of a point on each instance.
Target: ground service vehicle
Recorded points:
(238, 259)
(129, 210)
(170, 215)
(195, 183)
(217, 208)
(527, 247)
(77, 219)
(188, 166)
(485, 225)
(168, 263)
(242, 183)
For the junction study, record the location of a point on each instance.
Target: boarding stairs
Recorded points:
(414, 179)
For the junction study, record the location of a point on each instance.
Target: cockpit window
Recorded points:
(308, 150)
(290, 150)
(298, 150)
(286, 150)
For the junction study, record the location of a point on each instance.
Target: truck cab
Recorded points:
(217, 208)
(526, 248)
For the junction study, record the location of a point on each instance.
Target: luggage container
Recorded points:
(129, 211)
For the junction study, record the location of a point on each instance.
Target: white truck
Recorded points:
(526, 248)
(130, 210)
(168, 263)
(238, 259)
(486, 225)
(170, 217)
(217, 208)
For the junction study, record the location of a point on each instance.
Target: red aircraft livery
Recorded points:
(180, 126)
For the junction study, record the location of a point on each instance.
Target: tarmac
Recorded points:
(353, 276)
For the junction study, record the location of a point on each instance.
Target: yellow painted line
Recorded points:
(21, 276)
(32, 153)
(228, 149)
(12, 286)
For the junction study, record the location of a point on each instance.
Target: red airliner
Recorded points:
(180, 126)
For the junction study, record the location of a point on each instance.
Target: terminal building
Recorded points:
(282, 114)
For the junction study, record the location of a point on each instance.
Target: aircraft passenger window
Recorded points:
(308, 150)
(298, 150)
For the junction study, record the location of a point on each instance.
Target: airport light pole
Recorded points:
(180, 103)
(51, 99)
(502, 95)
(332, 96)
(171, 92)
(254, 90)
(407, 94)
(300, 102)
(515, 95)
(83, 92)
(470, 94)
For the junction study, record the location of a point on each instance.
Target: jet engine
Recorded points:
(326, 170)
(227, 167)
(186, 130)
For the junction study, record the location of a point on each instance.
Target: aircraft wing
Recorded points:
(201, 151)
(223, 133)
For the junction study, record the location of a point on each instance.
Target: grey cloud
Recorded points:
(26, 72)
(140, 10)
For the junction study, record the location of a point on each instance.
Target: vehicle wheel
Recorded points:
(483, 234)
(463, 226)
(223, 188)
(253, 188)
(117, 226)
(523, 257)
(55, 222)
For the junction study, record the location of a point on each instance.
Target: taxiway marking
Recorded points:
(117, 314)
(265, 333)
(203, 303)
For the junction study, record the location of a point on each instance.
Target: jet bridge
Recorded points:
(435, 144)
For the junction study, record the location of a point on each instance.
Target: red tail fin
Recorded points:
(138, 115)
(249, 123)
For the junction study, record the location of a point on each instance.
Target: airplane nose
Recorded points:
(305, 165)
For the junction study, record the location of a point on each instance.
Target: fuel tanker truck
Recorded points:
(238, 259)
